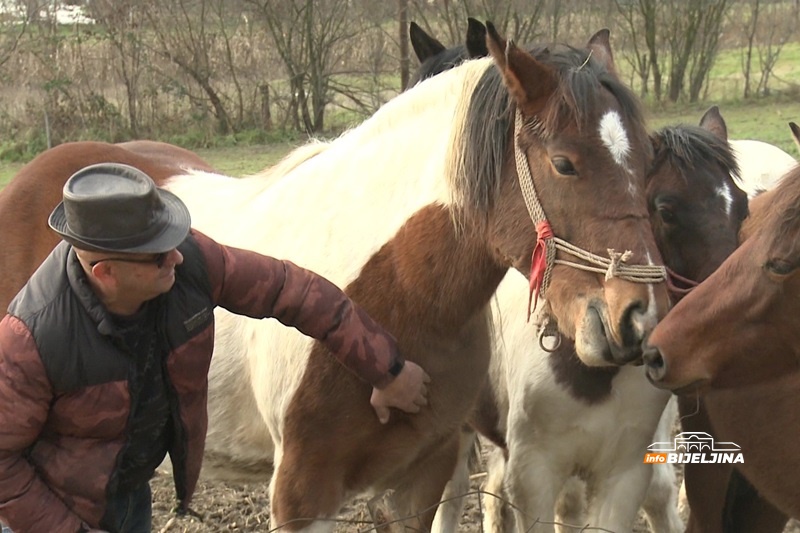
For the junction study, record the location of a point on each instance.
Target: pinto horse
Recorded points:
(418, 213)
(734, 342)
(36, 189)
(696, 211)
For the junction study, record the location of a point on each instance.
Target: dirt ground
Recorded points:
(245, 508)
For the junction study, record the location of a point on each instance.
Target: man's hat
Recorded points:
(111, 207)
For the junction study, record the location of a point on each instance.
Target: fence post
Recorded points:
(266, 115)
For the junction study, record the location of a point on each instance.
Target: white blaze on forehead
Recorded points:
(727, 197)
(614, 136)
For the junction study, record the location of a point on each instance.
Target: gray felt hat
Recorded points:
(112, 207)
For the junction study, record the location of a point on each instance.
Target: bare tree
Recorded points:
(311, 37)
(187, 33)
(12, 30)
(707, 45)
(521, 20)
(691, 37)
(402, 19)
(641, 19)
(765, 28)
(121, 22)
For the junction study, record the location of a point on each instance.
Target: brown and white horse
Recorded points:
(419, 213)
(36, 189)
(736, 342)
(553, 416)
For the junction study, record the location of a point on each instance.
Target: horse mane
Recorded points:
(292, 160)
(477, 170)
(440, 62)
(685, 146)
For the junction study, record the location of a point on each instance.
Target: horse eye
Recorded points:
(780, 267)
(563, 166)
(667, 215)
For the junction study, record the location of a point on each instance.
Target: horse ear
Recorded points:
(600, 47)
(529, 82)
(424, 45)
(795, 134)
(476, 39)
(712, 121)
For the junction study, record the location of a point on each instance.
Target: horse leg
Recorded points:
(301, 493)
(747, 511)
(705, 484)
(618, 484)
(448, 515)
(497, 516)
(660, 504)
(571, 504)
(530, 483)
(422, 485)
(661, 501)
(615, 499)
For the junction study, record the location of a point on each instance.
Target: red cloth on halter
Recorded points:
(538, 263)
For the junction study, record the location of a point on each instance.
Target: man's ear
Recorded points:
(103, 273)
(100, 269)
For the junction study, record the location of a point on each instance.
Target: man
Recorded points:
(105, 352)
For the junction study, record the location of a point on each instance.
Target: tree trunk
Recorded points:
(402, 17)
(266, 114)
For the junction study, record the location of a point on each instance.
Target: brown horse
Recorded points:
(735, 339)
(720, 499)
(36, 189)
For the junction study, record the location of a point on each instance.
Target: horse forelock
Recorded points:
(582, 81)
(690, 147)
(484, 142)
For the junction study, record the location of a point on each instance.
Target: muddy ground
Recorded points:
(245, 508)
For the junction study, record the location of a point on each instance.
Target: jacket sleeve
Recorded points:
(259, 286)
(26, 502)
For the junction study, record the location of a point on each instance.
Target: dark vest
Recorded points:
(77, 341)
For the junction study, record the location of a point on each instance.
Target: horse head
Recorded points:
(578, 173)
(739, 326)
(696, 208)
(434, 57)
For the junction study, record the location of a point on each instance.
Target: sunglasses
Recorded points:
(157, 260)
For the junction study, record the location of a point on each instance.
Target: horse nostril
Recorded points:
(656, 366)
(636, 324)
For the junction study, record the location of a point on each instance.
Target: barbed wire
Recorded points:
(372, 527)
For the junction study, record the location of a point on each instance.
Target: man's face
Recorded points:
(143, 276)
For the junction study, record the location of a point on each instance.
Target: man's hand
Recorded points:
(408, 391)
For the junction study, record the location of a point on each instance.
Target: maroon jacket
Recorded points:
(64, 382)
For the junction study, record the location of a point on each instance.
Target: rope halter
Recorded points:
(544, 253)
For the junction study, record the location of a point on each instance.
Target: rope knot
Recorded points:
(616, 259)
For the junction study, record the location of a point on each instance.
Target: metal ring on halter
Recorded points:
(543, 334)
